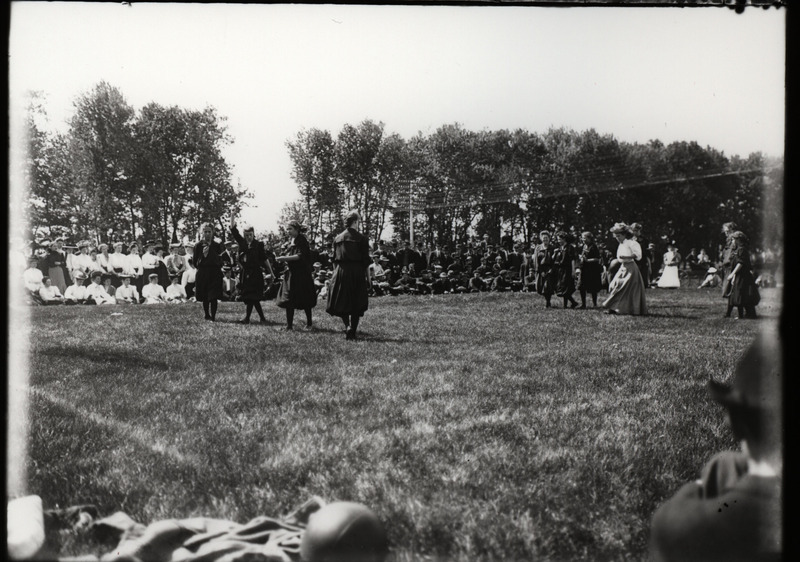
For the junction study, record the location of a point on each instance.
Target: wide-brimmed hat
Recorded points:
(620, 228)
(123, 276)
(297, 226)
(80, 275)
(711, 270)
(443, 274)
(96, 273)
(153, 276)
(757, 378)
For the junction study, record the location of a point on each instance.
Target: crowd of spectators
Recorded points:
(151, 273)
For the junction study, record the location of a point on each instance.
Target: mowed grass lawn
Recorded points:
(478, 427)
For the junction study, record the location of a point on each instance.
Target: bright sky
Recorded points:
(703, 74)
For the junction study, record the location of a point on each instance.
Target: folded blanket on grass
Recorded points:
(202, 539)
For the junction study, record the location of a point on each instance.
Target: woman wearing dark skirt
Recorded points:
(253, 260)
(591, 269)
(208, 280)
(297, 287)
(57, 266)
(545, 273)
(744, 292)
(349, 287)
(161, 268)
(563, 260)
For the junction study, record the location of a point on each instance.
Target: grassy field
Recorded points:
(478, 427)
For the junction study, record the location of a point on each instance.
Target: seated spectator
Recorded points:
(153, 293)
(476, 283)
(49, 293)
(176, 294)
(107, 285)
(33, 276)
(425, 282)
(188, 278)
(458, 281)
(78, 292)
(127, 293)
(441, 285)
(712, 279)
(733, 512)
(500, 283)
(97, 292)
(228, 284)
(703, 260)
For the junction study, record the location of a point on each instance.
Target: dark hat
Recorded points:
(174, 276)
(94, 274)
(297, 226)
(757, 377)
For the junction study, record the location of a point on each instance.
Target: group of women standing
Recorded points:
(348, 293)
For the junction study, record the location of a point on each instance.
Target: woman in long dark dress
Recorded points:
(591, 269)
(253, 260)
(744, 292)
(57, 266)
(161, 268)
(348, 295)
(297, 287)
(563, 260)
(543, 262)
(208, 280)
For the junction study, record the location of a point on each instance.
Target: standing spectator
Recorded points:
(727, 229)
(297, 288)
(254, 261)
(545, 272)
(626, 289)
(207, 260)
(670, 279)
(228, 284)
(591, 269)
(49, 293)
(744, 293)
(150, 262)
(643, 262)
(118, 264)
(135, 267)
(175, 262)
(103, 259)
(57, 266)
(161, 268)
(690, 261)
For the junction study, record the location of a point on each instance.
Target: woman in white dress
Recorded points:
(135, 268)
(669, 277)
(626, 289)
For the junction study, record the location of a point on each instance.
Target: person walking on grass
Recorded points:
(348, 293)
(564, 262)
(744, 295)
(626, 289)
(591, 269)
(543, 264)
(208, 280)
(297, 290)
(253, 261)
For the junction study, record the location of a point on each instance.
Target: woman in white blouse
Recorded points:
(103, 258)
(82, 262)
(626, 289)
(134, 267)
(117, 264)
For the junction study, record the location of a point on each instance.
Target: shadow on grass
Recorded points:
(104, 356)
(659, 315)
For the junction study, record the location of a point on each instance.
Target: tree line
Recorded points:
(159, 172)
(118, 174)
(454, 182)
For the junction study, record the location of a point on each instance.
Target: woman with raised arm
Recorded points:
(253, 260)
(297, 287)
(208, 280)
(348, 294)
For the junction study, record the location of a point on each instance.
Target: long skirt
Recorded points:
(565, 285)
(626, 291)
(590, 281)
(297, 290)
(163, 275)
(669, 278)
(208, 284)
(58, 278)
(744, 291)
(348, 293)
(252, 284)
(545, 282)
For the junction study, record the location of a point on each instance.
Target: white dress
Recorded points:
(669, 277)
